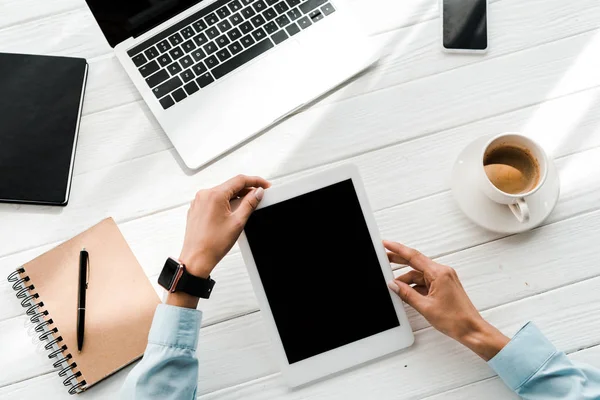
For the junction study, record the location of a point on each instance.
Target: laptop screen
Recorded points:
(120, 20)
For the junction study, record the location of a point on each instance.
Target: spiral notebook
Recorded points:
(119, 311)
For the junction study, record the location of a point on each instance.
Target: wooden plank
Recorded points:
(411, 222)
(22, 11)
(494, 274)
(73, 33)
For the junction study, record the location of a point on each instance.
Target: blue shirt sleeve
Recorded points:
(532, 367)
(169, 368)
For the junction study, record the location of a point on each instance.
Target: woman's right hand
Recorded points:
(435, 291)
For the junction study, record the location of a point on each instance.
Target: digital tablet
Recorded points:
(320, 273)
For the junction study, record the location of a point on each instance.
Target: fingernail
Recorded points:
(260, 192)
(392, 285)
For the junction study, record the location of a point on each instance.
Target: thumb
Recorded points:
(409, 295)
(249, 203)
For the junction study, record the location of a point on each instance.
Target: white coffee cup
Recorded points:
(516, 202)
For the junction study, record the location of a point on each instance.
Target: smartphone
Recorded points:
(464, 26)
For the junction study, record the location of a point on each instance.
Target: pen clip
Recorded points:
(87, 280)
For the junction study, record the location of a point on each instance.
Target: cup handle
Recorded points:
(521, 210)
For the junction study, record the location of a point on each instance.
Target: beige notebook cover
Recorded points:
(120, 301)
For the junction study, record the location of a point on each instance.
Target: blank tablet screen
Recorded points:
(320, 272)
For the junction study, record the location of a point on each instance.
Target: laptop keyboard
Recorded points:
(208, 45)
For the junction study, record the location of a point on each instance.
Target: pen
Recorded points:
(83, 284)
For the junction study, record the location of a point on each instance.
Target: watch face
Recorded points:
(168, 274)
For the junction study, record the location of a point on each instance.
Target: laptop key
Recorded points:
(210, 48)
(212, 32)
(293, 3)
(236, 19)
(235, 5)
(271, 27)
(151, 53)
(259, 34)
(224, 26)
(191, 88)
(187, 32)
(279, 36)
(271, 2)
(186, 62)
(282, 21)
(199, 25)
(164, 60)
(223, 12)
(176, 53)
(199, 69)
(235, 48)
(211, 19)
(327, 9)
(205, 80)
(310, 5)
(270, 14)
(242, 58)
(175, 39)
(258, 21)
(246, 27)
(259, 6)
(304, 22)
(157, 78)
(246, 2)
(187, 75)
(292, 29)
(223, 55)
(174, 68)
(294, 14)
(201, 39)
(166, 102)
(139, 60)
(198, 55)
(211, 62)
(222, 41)
(149, 69)
(247, 41)
(248, 12)
(281, 7)
(179, 95)
(163, 46)
(234, 34)
(188, 46)
(316, 15)
(167, 87)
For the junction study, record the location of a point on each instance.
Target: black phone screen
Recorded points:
(465, 24)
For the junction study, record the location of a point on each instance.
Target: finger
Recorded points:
(408, 294)
(396, 259)
(412, 277)
(243, 192)
(240, 182)
(249, 203)
(422, 290)
(413, 257)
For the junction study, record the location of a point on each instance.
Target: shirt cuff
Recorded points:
(175, 327)
(523, 356)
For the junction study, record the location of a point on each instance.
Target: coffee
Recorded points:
(512, 169)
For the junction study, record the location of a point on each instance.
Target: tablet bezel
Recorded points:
(352, 354)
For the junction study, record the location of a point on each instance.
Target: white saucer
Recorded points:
(489, 214)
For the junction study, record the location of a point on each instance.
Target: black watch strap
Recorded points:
(198, 287)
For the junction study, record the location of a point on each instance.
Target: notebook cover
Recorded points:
(41, 103)
(120, 301)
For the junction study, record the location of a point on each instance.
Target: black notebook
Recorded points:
(40, 108)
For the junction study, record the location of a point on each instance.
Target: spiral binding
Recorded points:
(47, 333)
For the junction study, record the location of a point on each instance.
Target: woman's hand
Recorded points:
(435, 291)
(215, 220)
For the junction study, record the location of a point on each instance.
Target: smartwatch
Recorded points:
(175, 278)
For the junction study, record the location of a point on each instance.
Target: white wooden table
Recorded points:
(403, 124)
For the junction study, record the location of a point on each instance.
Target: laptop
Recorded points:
(216, 72)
